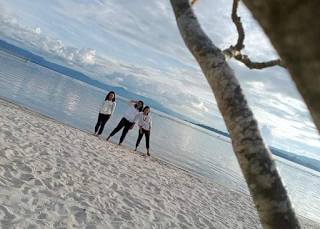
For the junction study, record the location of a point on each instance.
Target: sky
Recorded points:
(137, 45)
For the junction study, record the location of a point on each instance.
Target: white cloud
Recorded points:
(13, 31)
(37, 30)
(200, 107)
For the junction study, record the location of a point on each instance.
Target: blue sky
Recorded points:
(136, 45)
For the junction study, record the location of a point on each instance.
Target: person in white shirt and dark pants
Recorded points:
(105, 113)
(145, 125)
(129, 119)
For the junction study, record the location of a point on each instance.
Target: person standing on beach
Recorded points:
(145, 124)
(129, 119)
(105, 113)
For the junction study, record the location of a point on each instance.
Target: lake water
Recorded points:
(187, 146)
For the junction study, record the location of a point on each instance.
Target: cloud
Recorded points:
(37, 30)
(200, 107)
(267, 133)
(35, 40)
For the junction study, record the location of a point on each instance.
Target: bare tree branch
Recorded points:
(237, 21)
(194, 2)
(258, 65)
(255, 159)
(235, 51)
(231, 52)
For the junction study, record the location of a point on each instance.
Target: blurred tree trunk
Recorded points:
(293, 27)
(267, 190)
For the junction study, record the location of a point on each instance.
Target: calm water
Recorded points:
(179, 143)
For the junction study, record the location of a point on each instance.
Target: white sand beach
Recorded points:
(55, 176)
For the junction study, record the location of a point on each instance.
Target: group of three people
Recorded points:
(136, 112)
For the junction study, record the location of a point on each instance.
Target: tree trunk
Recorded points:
(293, 27)
(268, 192)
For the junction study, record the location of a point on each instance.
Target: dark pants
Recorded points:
(147, 134)
(102, 120)
(123, 123)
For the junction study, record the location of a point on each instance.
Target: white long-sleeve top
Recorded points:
(145, 121)
(108, 107)
(132, 114)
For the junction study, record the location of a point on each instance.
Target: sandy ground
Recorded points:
(55, 176)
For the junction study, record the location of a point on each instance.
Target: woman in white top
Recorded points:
(129, 119)
(145, 124)
(105, 113)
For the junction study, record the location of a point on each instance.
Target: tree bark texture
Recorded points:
(267, 190)
(293, 27)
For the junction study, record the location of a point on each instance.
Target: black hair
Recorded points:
(114, 97)
(146, 107)
(141, 107)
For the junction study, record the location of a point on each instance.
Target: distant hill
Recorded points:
(301, 160)
(84, 78)
(211, 128)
